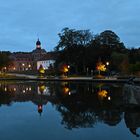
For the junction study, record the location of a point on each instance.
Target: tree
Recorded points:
(4, 59)
(134, 68)
(119, 62)
(72, 48)
(71, 37)
(81, 49)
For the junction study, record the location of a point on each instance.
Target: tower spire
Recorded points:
(38, 44)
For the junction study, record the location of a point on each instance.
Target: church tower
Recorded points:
(38, 44)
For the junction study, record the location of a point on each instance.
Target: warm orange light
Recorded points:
(66, 69)
(102, 94)
(66, 90)
(101, 67)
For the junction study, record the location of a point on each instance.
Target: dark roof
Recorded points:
(39, 51)
(21, 55)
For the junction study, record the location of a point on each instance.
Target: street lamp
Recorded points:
(23, 66)
(107, 63)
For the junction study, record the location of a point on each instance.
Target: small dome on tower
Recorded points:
(38, 43)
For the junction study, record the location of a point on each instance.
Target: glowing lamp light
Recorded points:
(5, 89)
(66, 69)
(109, 98)
(107, 63)
(102, 94)
(14, 89)
(23, 91)
(40, 107)
(30, 88)
(66, 90)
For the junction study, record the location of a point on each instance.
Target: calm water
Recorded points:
(66, 111)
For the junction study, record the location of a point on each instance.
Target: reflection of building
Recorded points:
(22, 92)
(29, 61)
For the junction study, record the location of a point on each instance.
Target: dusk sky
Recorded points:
(23, 21)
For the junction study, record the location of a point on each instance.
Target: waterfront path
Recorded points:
(80, 79)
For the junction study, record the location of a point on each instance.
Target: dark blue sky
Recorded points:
(22, 21)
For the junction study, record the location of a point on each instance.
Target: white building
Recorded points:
(45, 64)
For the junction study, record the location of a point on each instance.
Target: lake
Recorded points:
(68, 111)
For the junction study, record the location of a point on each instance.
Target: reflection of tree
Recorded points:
(84, 108)
(81, 108)
(4, 98)
(132, 120)
(77, 119)
(111, 117)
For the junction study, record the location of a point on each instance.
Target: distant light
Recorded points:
(30, 88)
(23, 64)
(68, 66)
(109, 98)
(23, 91)
(5, 89)
(29, 66)
(69, 93)
(107, 63)
(14, 89)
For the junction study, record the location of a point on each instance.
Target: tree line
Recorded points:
(82, 50)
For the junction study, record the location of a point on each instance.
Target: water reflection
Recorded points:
(81, 105)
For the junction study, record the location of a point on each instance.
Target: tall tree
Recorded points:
(4, 59)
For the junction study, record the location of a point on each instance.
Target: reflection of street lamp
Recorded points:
(29, 67)
(87, 71)
(4, 69)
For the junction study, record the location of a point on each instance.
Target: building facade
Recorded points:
(31, 61)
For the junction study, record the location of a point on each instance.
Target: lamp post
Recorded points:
(23, 66)
(68, 70)
(107, 66)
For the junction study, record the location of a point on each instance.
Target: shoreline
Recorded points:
(78, 79)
